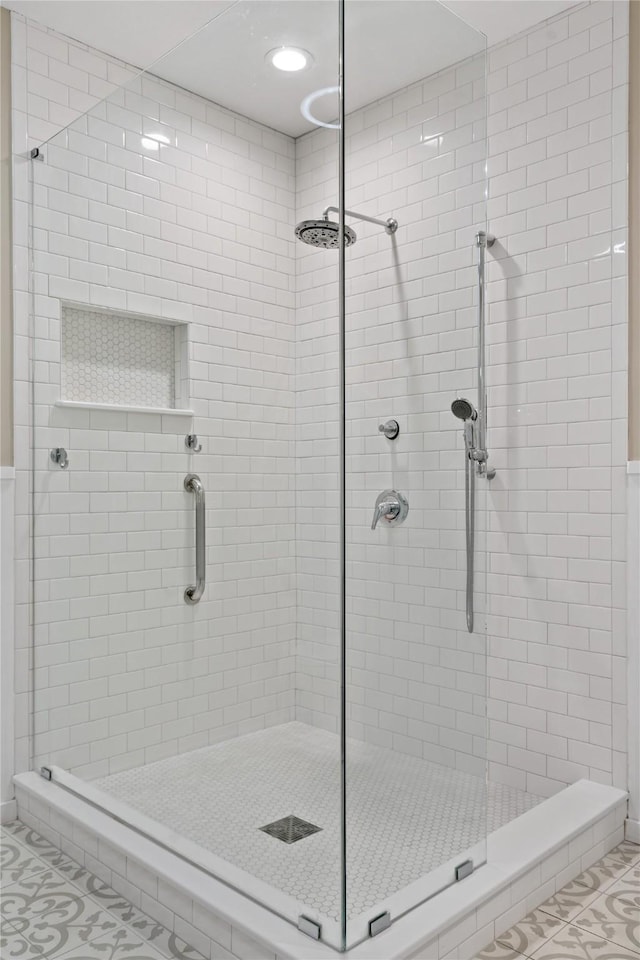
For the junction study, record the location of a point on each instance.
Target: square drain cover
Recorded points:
(289, 829)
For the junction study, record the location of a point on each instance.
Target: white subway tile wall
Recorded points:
(160, 203)
(201, 232)
(417, 679)
(556, 508)
(557, 149)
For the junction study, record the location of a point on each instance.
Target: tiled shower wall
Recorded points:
(557, 369)
(556, 360)
(199, 231)
(556, 625)
(416, 677)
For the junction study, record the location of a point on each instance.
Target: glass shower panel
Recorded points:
(415, 154)
(164, 346)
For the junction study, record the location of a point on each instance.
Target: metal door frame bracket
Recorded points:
(464, 869)
(379, 923)
(309, 927)
(36, 154)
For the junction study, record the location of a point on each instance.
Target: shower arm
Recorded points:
(480, 454)
(389, 225)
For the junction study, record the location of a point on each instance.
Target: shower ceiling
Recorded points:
(226, 64)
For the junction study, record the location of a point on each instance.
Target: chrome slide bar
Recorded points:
(476, 456)
(480, 454)
(193, 484)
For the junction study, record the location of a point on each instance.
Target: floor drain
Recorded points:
(289, 829)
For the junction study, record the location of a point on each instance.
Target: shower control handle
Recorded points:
(392, 507)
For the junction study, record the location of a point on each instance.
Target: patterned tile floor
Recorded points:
(405, 816)
(53, 907)
(595, 917)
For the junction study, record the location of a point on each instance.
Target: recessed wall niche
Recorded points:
(121, 359)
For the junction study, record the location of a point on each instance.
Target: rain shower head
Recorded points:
(324, 233)
(463, 409)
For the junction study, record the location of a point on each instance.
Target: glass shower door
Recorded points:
(415, 710)
(186, 360)
(163, 384)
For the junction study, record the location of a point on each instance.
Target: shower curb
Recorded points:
(528, 860)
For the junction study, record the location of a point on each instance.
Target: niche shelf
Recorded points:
(112, 360)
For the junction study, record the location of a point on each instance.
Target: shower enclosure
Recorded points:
(228, 655)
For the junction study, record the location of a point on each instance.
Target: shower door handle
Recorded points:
(193, 484)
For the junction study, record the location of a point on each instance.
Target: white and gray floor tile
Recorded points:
(52, 907)
(601, 921)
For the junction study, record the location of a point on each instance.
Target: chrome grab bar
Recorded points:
(193, 484)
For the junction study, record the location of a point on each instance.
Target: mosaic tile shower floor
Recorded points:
(53, 907)
(406, 816)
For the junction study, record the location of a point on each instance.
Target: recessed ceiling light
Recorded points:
(289, 59)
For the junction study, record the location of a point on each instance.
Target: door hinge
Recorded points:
(464, 869)
(36, 154)
(310, 927)
(379, 923)
(46, 773)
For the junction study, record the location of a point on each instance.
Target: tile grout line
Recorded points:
(568, 923)
(529, 956)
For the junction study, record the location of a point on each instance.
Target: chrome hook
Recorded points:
(391, 429)
(191, 443)
(60, 456)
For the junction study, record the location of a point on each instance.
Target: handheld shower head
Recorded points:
(463, 409)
